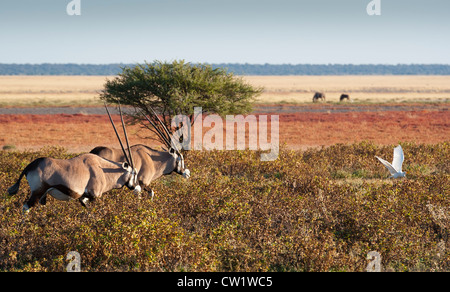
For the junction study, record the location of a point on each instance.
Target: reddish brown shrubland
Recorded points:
(314, 210)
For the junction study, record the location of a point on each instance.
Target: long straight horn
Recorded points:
(161, 135)
(126, 137)
(166, 130)
(117, 134)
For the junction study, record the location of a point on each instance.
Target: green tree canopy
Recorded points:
(176, 88)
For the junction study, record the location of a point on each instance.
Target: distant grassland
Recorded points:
(367, 89)
(84, 90)
(50, 90)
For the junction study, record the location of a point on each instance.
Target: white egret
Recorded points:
(396, 167)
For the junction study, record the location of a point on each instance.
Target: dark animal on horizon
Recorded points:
(344, 96)
(319, 96)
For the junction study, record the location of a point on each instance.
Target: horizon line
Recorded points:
(238, 63)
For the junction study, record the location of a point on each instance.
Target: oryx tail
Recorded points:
(32, 166)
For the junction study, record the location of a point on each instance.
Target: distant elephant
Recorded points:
(318, 95)
(344, 96)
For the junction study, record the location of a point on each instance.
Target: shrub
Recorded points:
(237, 213)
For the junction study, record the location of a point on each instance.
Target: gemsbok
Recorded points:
(151, 164)
(85, 177)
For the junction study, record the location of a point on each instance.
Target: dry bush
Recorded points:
(315, 210)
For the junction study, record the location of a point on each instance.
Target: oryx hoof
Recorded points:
(43, 200)
(84, 201)
(25, 209)
(152, 194)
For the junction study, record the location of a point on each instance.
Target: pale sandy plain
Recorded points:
(75, 90)
(298, 129)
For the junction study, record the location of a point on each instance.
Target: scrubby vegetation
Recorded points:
(315, 210)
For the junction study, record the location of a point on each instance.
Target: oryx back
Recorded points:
(149, 163)
(86, 175)
(109, 153)
(69, 177)
(154, 163)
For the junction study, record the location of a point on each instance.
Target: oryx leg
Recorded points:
(92, 192)
(61, 195)
(86, 198)
(150, 192)
(144, 181)
(59, 192)
(34, 198)
(43, 199)
(38, 189)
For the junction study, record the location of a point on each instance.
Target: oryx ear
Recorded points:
(125, 165)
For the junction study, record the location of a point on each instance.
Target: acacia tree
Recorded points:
(176, 88)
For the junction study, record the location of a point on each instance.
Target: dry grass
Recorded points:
(67, 90)
(300, 89)
(315, 210)
(50, 90)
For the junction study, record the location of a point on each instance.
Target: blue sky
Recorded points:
(225, 31)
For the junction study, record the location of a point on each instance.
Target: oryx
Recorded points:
(84, 177)
(151, 164)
